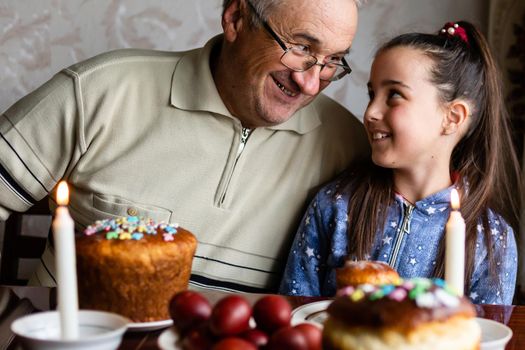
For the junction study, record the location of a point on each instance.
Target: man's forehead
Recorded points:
(316, 8)
(318, 23)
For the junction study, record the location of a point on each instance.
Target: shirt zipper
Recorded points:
(405, 229)
(245, 133)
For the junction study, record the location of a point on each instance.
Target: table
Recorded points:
(43, 299)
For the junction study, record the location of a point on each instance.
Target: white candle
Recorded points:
(455, 246)
(65, 260)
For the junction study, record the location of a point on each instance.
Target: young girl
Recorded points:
(435, 121)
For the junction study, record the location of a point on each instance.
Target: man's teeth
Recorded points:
(379, 135)
(285, 90)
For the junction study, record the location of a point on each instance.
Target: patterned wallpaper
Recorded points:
(40, 37)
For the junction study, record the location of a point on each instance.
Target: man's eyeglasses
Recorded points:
(299, 60)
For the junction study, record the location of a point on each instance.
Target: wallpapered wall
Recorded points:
(40, 37)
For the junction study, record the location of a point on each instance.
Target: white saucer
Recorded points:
(98, 330)
(167, 340)
(494, 335)
(149, 326)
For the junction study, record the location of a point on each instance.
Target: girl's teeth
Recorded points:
(379, 135)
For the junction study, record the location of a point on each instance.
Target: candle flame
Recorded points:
(62, 193)
(454, 199)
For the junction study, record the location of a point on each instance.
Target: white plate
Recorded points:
(167, 340)
(494, 335)
(312, 312)
(149, 326)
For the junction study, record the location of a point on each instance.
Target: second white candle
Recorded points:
(455, 247)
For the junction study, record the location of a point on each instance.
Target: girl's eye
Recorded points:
(394, 94)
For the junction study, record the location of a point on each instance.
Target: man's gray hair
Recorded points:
(262, 7)
(265, 7)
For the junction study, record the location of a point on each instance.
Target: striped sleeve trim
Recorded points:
(230, 264)
(15, 187)
(12, 184)
(208, 283)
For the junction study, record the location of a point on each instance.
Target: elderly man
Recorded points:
(228, 140)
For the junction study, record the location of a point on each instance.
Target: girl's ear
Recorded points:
(232, 21)
(456, 117)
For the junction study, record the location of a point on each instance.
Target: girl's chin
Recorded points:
(377, 160)
(382, 162)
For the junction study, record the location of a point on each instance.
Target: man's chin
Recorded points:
(274, 112)
(276, 116)
(276, 119)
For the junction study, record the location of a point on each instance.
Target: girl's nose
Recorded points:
(372, 113)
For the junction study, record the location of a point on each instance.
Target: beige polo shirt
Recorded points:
(139, 132)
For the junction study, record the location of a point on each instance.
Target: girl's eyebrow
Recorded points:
(390, 82)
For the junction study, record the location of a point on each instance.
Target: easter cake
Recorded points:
(409, 315)
(133, 266)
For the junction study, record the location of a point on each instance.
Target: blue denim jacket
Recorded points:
(409, 244)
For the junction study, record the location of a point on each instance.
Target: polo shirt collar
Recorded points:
(193, 88)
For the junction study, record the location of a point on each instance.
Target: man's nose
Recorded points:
(308, 81)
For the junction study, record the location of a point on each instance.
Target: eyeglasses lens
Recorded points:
(299, 61)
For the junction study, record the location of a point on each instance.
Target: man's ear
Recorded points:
(232, 20)
(456, 117)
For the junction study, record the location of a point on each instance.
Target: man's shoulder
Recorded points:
(327, 107)
(335, 118)
(337, 121)
(121, 58)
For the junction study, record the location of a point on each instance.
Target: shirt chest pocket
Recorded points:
(105, 206)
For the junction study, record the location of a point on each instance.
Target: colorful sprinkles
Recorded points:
(426, 293)
(131, 227)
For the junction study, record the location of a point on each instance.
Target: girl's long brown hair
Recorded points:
(485, 158)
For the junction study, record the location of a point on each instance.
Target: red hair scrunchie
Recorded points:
(451, 29)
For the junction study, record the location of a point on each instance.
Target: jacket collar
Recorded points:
(435, 203)
(193, 89)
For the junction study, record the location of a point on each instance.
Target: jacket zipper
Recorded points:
(245, 133)
(405, 229)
